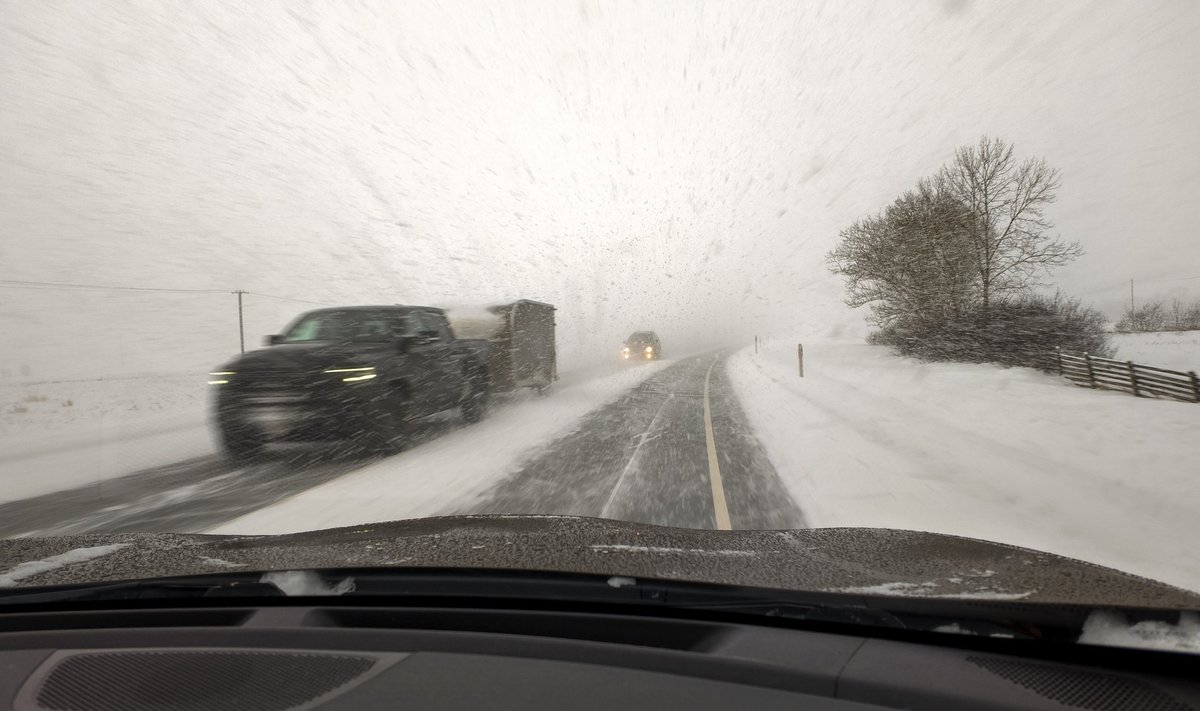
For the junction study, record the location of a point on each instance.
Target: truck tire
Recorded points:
(388, 431)
(240, 441)
(390, 439)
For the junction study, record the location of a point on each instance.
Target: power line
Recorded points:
(62, 286)
(1152, 281)
(65, 286)
(1121, 284)
(288, 298)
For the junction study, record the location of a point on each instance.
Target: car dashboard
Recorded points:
(305, 653)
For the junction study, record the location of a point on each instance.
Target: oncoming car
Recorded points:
(642, 345)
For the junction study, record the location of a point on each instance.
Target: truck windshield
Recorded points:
(356, 325)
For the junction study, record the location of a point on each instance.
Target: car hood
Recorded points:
(855, 560)
(306, 356)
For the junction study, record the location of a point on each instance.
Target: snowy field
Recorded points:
(57, 435)
(1174, 350)
(1009, 455)
(64, 410)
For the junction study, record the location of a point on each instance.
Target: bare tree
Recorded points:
(1177, 311)
(1191, 316)
(1005, 203)
(1150, 316)
(912, 261)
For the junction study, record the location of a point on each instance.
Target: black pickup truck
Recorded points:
(360, 373)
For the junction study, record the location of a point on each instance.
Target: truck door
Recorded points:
(394, 365)
(443, 369)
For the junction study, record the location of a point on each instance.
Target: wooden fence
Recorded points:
(1141, 380)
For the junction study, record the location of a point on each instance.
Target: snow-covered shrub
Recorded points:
(1021, 331)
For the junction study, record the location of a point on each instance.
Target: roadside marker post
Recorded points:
(800, 357)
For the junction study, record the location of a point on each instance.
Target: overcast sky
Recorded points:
(677, 165)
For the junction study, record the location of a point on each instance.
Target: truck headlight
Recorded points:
(354, 375)
(221, 377)
(358, 378)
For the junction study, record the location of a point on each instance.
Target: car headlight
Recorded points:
(221, 377)
(354, 375)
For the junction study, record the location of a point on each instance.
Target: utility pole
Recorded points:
(1132, 308)
(241, 322)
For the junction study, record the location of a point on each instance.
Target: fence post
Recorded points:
(1087, 358)
(1195, 386)
(1133, 378)
(800, 357)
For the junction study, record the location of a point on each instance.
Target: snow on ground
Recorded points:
(57, 435)
(1010, 455)
(62, 408)
(434, 477)
(1174, 350)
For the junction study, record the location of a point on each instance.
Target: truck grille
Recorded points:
(275, 386)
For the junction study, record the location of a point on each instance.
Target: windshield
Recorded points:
(727, 267)
(366, 326)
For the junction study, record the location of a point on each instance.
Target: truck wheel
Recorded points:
(241, 441)
(476, 401)
(391, 443)
(389, 433)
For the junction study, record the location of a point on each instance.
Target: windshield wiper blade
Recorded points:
(250, 585)
(865, 614)
(456, 587)
(813, 612)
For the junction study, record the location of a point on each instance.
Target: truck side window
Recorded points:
(443, 327)
(407, 325)
(434, 324)
(375, 330)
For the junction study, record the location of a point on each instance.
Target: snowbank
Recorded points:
(434, 478)
(1009, 455)
(1174, 350)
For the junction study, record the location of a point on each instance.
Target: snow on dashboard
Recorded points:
(1112, 629)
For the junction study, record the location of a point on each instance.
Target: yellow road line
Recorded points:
(714, 470)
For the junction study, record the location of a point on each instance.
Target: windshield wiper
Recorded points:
(236, 585)
(466, 588)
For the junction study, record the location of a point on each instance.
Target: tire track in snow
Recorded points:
(645, 458)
